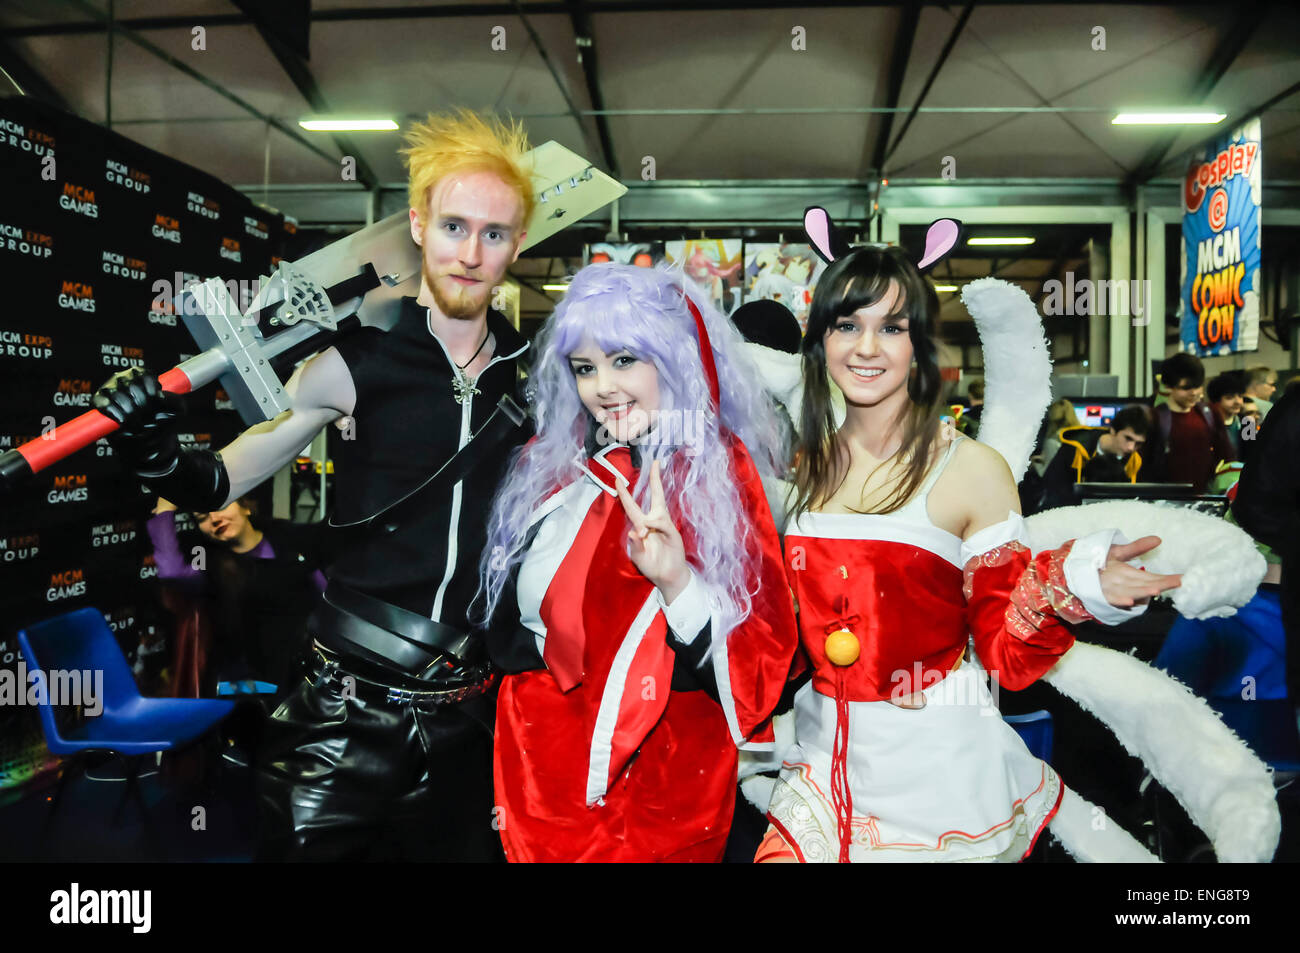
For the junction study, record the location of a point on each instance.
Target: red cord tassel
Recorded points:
(841, 795)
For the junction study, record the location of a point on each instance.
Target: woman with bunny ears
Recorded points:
(914, 574)
(633, 580)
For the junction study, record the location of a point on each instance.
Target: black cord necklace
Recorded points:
(462, 367)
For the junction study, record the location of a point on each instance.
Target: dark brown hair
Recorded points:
(859, 280)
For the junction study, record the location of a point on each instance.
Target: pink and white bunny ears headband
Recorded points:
(940, 238)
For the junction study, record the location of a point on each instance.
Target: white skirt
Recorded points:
(949, 782)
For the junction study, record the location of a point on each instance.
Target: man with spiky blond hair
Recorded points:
(384, 749)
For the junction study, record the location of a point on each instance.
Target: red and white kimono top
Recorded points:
(617, 734)
(869, 780)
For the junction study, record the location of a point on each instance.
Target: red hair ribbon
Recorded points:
(706, 353)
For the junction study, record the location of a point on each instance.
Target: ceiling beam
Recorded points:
(132, 36)
(518, 10)
(29, 82)
(929, 81)
(300, 74)
(904, 40)
(1235, 120)
(1225, 54)
(585, 37)
(440, 11)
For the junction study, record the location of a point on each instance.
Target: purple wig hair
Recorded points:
(643, 310)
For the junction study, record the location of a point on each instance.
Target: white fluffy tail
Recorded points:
(1017, 368)
(1093, 838)
(1225, 789)
(1220, 565)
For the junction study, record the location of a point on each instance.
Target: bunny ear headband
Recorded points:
(940, 238)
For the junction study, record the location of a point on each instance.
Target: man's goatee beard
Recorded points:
(463, 306)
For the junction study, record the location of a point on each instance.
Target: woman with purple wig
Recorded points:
(633, 580)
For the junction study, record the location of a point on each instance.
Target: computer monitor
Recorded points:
(1095, 412)
(1180, 495)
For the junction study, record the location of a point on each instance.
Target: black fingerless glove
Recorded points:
(146, 442)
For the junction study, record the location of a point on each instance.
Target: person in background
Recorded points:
(970, 420)
(1224, 394)
(1188, 441)
(1034, 483)
(1096, 455)
(1242, 663)
(772, 338)
(1267, 506)
(1261, 383)
(253, 589)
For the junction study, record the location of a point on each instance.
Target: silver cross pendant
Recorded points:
(463, 388)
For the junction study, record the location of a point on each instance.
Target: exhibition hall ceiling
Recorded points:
(715, 91)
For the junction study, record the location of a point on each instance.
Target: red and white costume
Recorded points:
(868, 780)
(606, 748)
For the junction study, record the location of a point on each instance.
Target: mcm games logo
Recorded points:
(200, 205)
(79, 199)
(113, 534)
(77, 296)
(24, 241)
(17, 136)
(166, 228)
(69, 488)
(123, 266)
(230, 249)
(222, 401)
(15, 549)
(36, 347)
(73, 392)
(119, 355)
(68, 584)
(148, 567)
(256, 228)
(119, 173)
(162, 312)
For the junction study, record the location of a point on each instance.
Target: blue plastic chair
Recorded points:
(1035, 730)
(130, 724)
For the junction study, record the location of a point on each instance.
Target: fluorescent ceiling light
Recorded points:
(999, 241)
(945, 287)
(1168, 119)
(348, 125)
(555, 287)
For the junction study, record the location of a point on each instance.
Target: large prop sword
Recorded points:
(358, 280)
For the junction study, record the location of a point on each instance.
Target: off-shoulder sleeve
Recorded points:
(1018, 604)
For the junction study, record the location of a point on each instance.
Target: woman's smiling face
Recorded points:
(619, 390)
(869, 352)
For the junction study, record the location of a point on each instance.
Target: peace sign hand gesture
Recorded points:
(654, 545)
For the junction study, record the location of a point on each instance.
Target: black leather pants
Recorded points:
(347, 775)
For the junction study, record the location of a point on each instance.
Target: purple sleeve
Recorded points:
(172, 566)
(264, 550)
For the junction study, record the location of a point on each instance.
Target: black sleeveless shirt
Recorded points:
(407, 424)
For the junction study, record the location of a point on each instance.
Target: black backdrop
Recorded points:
(95, 231)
